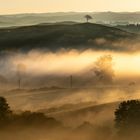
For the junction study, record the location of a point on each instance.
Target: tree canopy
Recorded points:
(5, 111)
(24, 119)
(88, 17)
(127, 116)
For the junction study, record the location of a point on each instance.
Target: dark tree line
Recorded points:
(127, 117)
(26, 118)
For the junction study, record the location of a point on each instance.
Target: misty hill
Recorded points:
(96, 114)
(56, 36)
(102, 17)
(130, 28)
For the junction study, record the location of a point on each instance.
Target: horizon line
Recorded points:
(69, 12)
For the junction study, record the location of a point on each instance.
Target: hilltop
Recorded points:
(56, 36)
(130, 28)
(98, 17)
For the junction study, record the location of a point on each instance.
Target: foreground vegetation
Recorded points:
(127, 124)
(23, 119)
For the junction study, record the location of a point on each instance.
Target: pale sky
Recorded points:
(41, 6)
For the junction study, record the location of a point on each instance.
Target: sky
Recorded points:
(44, 6)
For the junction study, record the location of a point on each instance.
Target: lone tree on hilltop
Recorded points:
(88, 17)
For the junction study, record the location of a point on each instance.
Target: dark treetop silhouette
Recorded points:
(88, 17)
(127, 116)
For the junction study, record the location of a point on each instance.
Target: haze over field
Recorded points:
(60, 63)
(69, 70)
(86, 72)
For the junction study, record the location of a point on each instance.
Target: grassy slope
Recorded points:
(56, 36)
(130, 28)
(96, 114)
(32, 19)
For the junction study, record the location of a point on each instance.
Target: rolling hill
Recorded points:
(56, 36)
(130, 28)
(104, 17)
(94, 114)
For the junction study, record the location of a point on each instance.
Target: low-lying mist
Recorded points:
(44, 65)
(81, 89)
(53, 79)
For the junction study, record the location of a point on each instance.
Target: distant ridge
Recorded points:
(34, 18)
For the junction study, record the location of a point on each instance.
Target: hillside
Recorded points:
(130, 28)
(56, 36)
(93, 113)
(104, 17)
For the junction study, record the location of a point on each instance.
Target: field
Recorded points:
(66, 80)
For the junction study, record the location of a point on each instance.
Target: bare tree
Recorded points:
(88, 17)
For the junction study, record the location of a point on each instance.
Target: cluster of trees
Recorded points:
(27, 118)
(127, 117)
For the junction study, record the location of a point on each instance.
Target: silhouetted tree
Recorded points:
(5, 111)
(127, 116)
(24, 119)
(88, 17)
(28, 118)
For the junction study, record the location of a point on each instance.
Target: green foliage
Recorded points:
(58, 36)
